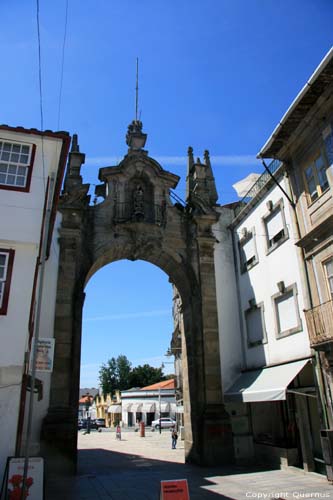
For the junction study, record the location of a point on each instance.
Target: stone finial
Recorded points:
(135, 138)
(189, 177)
(198, 160)
(206, 157)
(75, 146)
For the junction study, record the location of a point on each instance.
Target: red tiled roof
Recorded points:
(165, 384)
(35, 131)
(86, 399)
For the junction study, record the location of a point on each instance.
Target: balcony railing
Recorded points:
(258, 185)
(319, 320)
(126, 212)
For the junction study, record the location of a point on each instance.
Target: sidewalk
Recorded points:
(131, 469)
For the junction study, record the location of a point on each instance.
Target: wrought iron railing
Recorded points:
(319, 321)
(150, 213)
(258, 185)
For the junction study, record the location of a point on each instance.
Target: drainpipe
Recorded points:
(240, 317)
(37, 327)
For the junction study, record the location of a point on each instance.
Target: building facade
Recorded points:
(303, 141)
(31, 170)
(148, 403)
(269, 384)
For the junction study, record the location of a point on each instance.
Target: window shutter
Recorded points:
(274, 224)
(249, 249)
(287, 314)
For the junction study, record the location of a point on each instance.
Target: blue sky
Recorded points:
(214, 74)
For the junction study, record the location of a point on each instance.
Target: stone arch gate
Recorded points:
(137, 220)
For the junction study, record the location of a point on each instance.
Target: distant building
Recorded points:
(149, 403)
(31, 172)
(85, 406)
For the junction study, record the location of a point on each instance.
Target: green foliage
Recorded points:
(144, 375)
(117, 373)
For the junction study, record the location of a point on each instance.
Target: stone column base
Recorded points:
(59, 442)
(214, 443)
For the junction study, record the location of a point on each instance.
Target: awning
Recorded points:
(266, 384)
(127, 406)
(136, 407)
(114, 409)
(165, 407)
(148, 408)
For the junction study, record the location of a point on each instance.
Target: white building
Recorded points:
(148, 403)
(267, 364)
(31, 171)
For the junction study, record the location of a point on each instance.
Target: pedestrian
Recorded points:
(118, 432)
(174, 437)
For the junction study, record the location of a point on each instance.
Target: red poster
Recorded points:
(174, 490)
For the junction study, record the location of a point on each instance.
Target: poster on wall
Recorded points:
(13, 485)
(44, 356)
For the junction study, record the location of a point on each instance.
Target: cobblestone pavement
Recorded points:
(131, 469)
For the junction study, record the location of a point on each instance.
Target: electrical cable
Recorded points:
(62, 65)
(40, 87)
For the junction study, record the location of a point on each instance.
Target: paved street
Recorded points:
(131, 469)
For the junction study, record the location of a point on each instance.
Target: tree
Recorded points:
(123, 371)
(108, 376)
(115, 374)
(144, 375)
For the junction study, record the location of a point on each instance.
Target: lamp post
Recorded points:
(159, 403)
(88, 415)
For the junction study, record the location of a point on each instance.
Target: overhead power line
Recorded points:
(62, 65)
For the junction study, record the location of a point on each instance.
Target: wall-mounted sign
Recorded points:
(174, 490)
(45, 354)
(34, 485)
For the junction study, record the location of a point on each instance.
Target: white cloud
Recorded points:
(218, 160)
(141, 314)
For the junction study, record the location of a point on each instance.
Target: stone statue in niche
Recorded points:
(138, 199)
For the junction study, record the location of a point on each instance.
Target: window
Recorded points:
(255, 325)
(248, 251)
(287, 318)
(315, 177)
(328, 265)
(6, 265)
(275, 226)
(15, 165)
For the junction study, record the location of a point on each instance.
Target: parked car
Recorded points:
(83, 423)
(100, 422)
(165, 423)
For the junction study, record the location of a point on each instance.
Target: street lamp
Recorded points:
(159, 402)
(87, 414)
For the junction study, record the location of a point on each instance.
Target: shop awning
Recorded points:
(136, 407)
(148, 408)
(165, 407)
(127, 406)
(266, 384)
(114, 409)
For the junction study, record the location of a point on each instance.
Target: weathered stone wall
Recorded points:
(136, 220)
